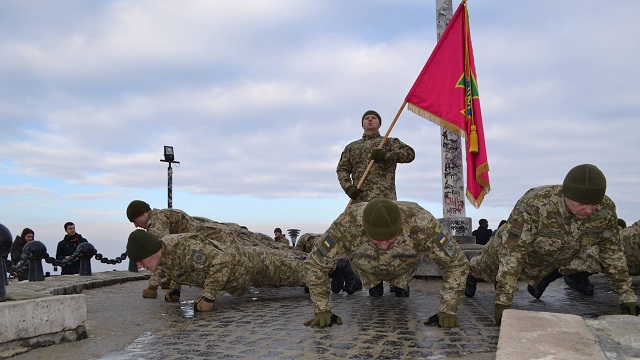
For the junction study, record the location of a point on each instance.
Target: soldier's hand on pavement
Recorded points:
(629, 308)
(172, 296)
(324, 319)
(150, 293)
(500, 308)
(378, 155)
(353, 192)
(447, 320)
(203, 304)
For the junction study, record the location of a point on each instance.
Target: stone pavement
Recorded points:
(268, 323)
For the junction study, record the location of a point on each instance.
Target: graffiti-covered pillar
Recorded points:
(453, 196)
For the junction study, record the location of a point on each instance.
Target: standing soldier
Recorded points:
(381, 180)
(386, 240)
(548, 227)
(174, 221)
(196, 260)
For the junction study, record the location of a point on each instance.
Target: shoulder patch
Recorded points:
(445, 244)
(324, 246)
(199, 257)
(514, 234)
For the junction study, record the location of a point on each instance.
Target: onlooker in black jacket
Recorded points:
(482, 233)
(67, 247)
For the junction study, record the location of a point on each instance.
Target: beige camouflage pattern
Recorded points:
(174, 221)
(542, 235)
(381, 180)
(306, 242)
(193, 259)
(630, 238)
(282, 240)
(422, 235)
(590, 260)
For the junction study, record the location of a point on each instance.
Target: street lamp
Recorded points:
(169, 158)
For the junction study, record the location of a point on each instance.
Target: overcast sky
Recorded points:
(258, 99)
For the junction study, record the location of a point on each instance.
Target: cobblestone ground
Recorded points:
(268, 323)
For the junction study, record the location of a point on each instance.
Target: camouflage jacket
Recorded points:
(542, 235)
(282, 240)
(381, 180)
(422, 235)
(195, 260)
(306, 241)
(630, 238)
(174, 221)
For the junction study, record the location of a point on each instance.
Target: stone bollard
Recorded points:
(85, 252)
(38, 252)
(5, 248)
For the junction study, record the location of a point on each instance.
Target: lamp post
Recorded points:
(169, 158)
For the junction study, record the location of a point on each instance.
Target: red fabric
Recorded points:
(439, 95)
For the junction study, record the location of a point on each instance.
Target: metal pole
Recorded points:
(170, 185)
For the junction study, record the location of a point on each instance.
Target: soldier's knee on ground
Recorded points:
(172, 296)
(150, 293)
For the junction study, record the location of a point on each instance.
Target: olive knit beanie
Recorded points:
(137, 208)
(585, 184)
(382, 219)
(371, 112)
(142, 244)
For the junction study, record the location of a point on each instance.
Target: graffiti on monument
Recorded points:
(453, 181)
(458, 227)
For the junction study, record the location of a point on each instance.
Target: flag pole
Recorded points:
(384, 139)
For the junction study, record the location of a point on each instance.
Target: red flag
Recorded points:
(446, 92)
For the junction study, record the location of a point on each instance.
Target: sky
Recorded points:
(259, 98)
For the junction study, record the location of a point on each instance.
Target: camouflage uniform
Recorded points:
(174, 221)
(630, 238)
(381, 180)
(306, 242)
(542, 235)
(282, 239)
(590, 260)
(421, 235)
(212, 265)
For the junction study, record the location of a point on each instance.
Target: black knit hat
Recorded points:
(142, 244)
(137, 208)
(382, 219)
(585, 184)
(371, 112)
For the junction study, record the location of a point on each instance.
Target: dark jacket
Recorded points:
(67, 247)
(482, 235)
(16, 254)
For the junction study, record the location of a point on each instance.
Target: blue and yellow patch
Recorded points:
(446, 244)
(325, 245)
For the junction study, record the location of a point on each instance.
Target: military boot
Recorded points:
(580, 282)
(377, 290)
(400, 292)
(337, 276)
(539, 288)
(470, 288)
(352, 282)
